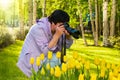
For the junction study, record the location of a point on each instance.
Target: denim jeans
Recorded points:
(54, 61)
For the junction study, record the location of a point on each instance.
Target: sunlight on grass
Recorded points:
(90, 52)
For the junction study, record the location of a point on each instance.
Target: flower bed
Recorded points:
(75, 67)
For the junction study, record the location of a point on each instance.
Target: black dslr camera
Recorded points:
(75, 33)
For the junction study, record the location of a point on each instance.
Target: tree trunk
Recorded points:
(92, 21)
(100, 26)
(44, 8)
(34, 11)
(14, 14)
(119, 25)
(81, 24)
(96, 22)
(105, 24)
(30, 13)
(118, 32)
(112, 20)
(21, 20)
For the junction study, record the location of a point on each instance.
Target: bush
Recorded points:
(18, 34)
(115, 41)
(6, 38)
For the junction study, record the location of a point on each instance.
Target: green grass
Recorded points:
(9, 57)
(8, 60)
(110, 55)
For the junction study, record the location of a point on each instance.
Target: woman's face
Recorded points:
(54, 26)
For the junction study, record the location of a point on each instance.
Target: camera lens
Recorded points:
(75, 33)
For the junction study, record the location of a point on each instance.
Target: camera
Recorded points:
(75, 33)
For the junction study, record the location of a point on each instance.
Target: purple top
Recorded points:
(36, 42)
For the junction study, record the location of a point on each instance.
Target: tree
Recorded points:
(117, 32)
(118, 19)
(44, 8)
(92, 21)
(105, 24)
(100, 17)
(96, 22)
(112, 20)
(81, 23)
(21, 19)
(30, 12)
(34, 11)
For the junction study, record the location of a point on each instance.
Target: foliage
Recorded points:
(115, 41)
(6, 38)
(18, 34)
(69, 6)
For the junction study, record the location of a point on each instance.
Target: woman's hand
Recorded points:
(60, 30)
(68, 36)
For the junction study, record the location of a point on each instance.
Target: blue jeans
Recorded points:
(54, 61)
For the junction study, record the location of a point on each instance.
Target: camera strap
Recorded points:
(63, 49)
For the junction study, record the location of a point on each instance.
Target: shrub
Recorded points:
(18, 34)
(115, 41)
(6, 38)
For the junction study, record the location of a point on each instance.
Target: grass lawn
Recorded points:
(111, 55)
(9, 58)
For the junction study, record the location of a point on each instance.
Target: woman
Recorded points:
(45, 35)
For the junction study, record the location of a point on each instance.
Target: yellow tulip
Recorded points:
(83, 61)
(75, 55)
(57, 71)
(93, 76)
(114, 78)
(102, 73)
(64, 67)
(48, 66)
(71, 63)
(108, 66)
(115, 72)
(119, 68)
(78, 65)
(96, 61)
(103, 62)
(42, 56)
(110, 75)
(58, 55)
(52, 71)
(31, 60)
(113, 66)
(65, 58)
(57, 68)
(68, 65)
(38, 61)
(119, 76)
(87, 65)
(79, 58)
(81, 77)
(43, 71)
(49, 55)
